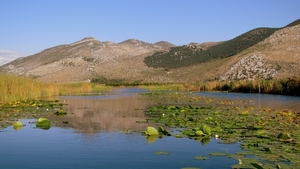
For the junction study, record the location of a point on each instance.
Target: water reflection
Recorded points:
(91, 114)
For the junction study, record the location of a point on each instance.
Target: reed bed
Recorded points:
(15, 88)
(80, 88)
(18, 88)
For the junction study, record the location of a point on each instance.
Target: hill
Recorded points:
(188, 55)
(262, 53)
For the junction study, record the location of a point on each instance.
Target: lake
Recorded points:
(102, 132)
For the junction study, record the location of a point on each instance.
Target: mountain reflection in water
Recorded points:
(91, 114)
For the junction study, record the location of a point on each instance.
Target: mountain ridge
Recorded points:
(276, 56)
(186, 55)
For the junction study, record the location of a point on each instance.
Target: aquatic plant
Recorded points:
(161, 153)
(17, 125)
(201, 158)
(43, 123)
(151, 131)
(262, 132)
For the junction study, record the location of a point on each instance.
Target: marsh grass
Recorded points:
(14, 88)
(18, 88)
(80, 88)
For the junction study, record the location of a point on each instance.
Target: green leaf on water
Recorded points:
(151, 131)
(43, 123)
(161, 153)
(257, 166)
(201, 158)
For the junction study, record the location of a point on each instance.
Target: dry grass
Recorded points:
(81, 88)
(17, 88)
(13, 88)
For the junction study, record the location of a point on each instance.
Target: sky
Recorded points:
(30, 26)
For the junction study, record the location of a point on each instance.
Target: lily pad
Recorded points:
(199, 133)
(205, 129)
(201, 158)
(43, 123)
(17, 125)
(151, 131)
(218, 154)
(284, 136)
(161, 153)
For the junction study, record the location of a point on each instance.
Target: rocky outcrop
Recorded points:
(250, 68)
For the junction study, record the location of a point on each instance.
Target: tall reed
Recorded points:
(81, 88)
(14, 88)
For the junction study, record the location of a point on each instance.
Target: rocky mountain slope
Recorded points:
(83, 60)
(277, 56)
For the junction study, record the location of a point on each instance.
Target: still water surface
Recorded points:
(93, 138)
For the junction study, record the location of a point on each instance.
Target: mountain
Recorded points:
(80, 60)
(264, 53)
(187, 55)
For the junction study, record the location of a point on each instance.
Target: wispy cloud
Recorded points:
(8, 56)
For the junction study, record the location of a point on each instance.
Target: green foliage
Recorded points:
(284, 136)
(115, 82)
(290, 86)
(187, 55)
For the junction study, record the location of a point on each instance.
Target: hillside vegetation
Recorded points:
(188, 55)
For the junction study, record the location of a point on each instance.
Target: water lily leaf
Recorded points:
(163, 131)
(61, 112)
(199, 133)
(43, 123)
(258, 127)
(42, 119)
(284, 136)
(206, 130)
(161, 153)
(218, 154)
(217, 129)
(201, 158)
(17, 124)
(257, 166)
(152, 131)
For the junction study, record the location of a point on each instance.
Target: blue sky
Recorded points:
(29, 26)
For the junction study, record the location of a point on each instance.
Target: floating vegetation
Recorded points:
(60, 112)
(260, 132)
(18, 125)
(43, 123)
(151, 131)
(161, 153)
(12, 111)
(218, 154)
(201, 158)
